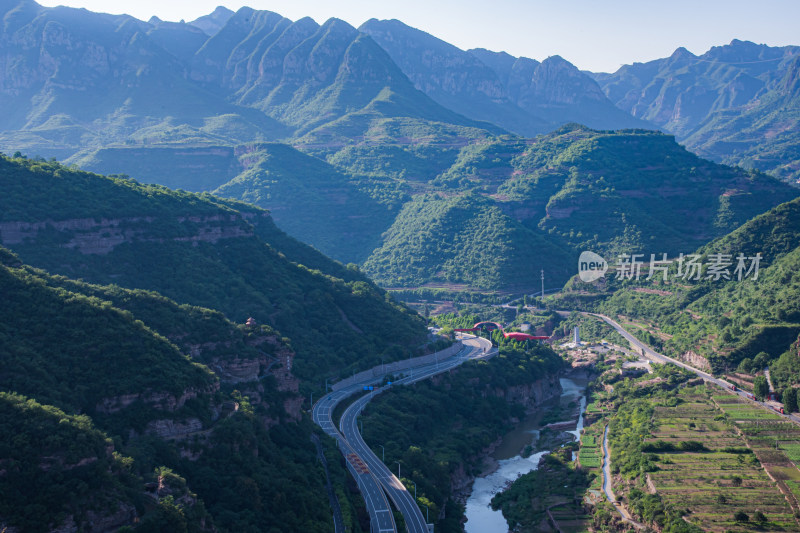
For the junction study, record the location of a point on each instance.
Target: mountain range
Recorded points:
(737, 103)
(74, 82)
(235, 191)
(356, 138)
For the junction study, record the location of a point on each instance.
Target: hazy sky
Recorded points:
(593, 34)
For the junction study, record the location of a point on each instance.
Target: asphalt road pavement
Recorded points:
(374, 478)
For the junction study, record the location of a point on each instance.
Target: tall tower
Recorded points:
(576, 336)
(542, 283)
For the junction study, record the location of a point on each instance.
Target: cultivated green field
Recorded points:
(706, 464)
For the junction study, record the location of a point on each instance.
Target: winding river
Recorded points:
(511, 465)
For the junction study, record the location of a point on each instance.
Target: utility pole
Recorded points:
(542, 283)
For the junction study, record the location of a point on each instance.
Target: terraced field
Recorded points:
(774, 440)
(706, 467)
(591, 453)
(570, 519)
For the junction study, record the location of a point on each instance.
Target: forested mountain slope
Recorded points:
(728, 320)
(199, 250)
(132, 406)
(493, 214)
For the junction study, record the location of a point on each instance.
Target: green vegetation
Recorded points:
(533, 207)
(462, 240)
(693, 456)
(203, 251)
(36, 190)
(437, 427)
(554, 487)
(67, 343)
(75, 351)
(685, 456)
(311, 200)
(728, 322)
(173, 384)
(54, 465)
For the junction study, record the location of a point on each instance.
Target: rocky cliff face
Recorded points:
(696, 360)
(163, 401)
(99, 237)
(531, 395)
(557, 81)
(434, 66)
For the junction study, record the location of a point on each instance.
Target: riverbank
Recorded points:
(521, 450)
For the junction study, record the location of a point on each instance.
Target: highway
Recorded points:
(380, 512)
(370, 472)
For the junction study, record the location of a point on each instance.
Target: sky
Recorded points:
(596, 35)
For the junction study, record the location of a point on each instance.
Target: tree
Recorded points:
(760, 387)
(790, 400)
(741, 516)
(760, 361)
(759, 517)
(746, 366)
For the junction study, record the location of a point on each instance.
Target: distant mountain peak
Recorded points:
(338, 24)
(681, 53)
(557, 59)
(738, 42)
(214, 21)
(220, 12)
(558, 81)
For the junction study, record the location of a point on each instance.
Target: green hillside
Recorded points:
(633, 190)
(310, 200)
(204, 251)
(500, 210)
(543, 201)
(83, 372)
(729, 321)
(57, 465)
(77, 348)
(463, 240)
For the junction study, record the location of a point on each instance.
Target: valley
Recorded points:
(272, 274)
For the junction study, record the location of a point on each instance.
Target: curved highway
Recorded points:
(380, 512)
(370, 468)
